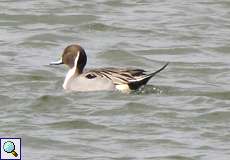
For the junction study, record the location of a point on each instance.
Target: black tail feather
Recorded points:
(136, 84)
(159, 70)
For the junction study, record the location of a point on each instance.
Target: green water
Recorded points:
(184, 112)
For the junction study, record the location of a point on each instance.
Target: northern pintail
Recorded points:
(78, 79)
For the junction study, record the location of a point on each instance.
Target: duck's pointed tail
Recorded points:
(159, 70)
(138, 83)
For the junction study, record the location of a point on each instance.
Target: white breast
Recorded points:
(81, 83)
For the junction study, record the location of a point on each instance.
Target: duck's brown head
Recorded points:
(73, 56)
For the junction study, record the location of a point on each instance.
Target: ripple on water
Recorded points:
(49, 103)
(75, 124)
(150, 89)
(121, 57)
(130, 108)
(216, 116)
(48, 19)
(102, 27)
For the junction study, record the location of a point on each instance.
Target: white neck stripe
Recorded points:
(76, 60)
(71, 73)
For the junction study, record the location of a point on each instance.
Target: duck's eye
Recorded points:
(90, 76)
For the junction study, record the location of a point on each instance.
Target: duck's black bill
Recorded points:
(57, 63)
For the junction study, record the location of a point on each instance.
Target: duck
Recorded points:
(100, 79)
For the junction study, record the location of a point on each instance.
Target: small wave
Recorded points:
(149, 89)
(75, 124)
(215, 116)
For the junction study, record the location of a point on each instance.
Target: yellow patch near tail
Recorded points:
(124, 88)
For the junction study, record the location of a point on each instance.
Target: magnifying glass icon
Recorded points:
(9, 147)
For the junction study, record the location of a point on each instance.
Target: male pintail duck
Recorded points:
(78, 79)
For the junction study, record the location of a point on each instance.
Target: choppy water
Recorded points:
(184, 113)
